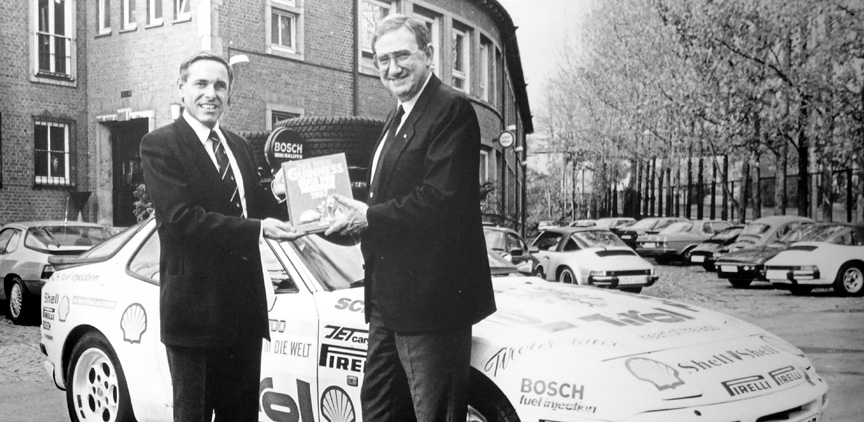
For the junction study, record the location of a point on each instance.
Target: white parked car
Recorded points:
(551, 352)
(838, 264)
(591, 256)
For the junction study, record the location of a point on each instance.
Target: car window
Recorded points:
(275, 271)
(494, 240)
(335, 266)
(571, 245)
(5, 235)
(597, 239)
(110, 246)
(663, 224)
(707, 228)
(513, 242)
(645, 223)
(14, 241)
(145, 263)
(756, 229)
(57, 237)
(547, 241)
(678, 227)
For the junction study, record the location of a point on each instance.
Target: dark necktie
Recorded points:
(389, 140)
(227, 173)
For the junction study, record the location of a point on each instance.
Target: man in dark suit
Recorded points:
(209, 205)
(427, 273)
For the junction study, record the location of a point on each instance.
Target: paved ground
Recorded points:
(827, 327)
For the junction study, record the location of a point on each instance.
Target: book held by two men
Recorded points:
(309, 184)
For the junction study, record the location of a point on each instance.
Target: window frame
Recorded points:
(154, 6)
(68, 76)
(485, 73)
(465, 73)
(68, 175)
(365, 52)
(182, 15)
(103, 15)
(128, 22)
(292, 8)
(484, 166)
(433, 21)
(280, 108)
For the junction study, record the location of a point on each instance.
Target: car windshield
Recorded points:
(802, 232)
(728, 233)
(646, 223)
(597, 239)
(495, 240)
(755, 229)
(679, 227)
(604, 222)
(56, 237)
(108, 247)
(822, 233)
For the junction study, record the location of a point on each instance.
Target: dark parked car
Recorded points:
(703, 253)
(511, 247)
(675, 241)
(650, 225)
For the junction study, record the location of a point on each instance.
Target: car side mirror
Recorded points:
(533, 249)
(516, 252)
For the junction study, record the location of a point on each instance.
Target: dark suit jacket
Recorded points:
(211, 282)
(424, 250)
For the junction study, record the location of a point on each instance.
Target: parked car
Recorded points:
(551, 351)
(835, 262)
(590, 256)
(763, 231)
(582, 223)
(675, 241)
(24, 251)
(614, 222)
(544, 224)
(703, 253)
(630, 233)
(510, 245)
(744, 266)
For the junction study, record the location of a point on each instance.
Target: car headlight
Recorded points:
(598, 273)
(805, 268)
(47, 271)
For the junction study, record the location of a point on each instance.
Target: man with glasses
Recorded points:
(427, 274)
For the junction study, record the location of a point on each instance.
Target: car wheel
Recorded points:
(566, 276)
(96, 388)
(486, 403)
(19, 302)
(800, 290)
(631, 289)
(850, 280)
(709, 267)
(738, 283)
(662, 260)
(538, 272)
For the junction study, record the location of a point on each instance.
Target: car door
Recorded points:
(546, 245)
(5, 263)
(289, 369)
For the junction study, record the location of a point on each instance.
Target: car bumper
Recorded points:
(702, 258)
(52, 371)
(790, 277)
(617, 282)
(740, 271)
(655, 252)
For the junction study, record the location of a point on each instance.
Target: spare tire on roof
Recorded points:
(354, 136)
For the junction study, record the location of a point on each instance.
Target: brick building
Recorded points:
(83, 80)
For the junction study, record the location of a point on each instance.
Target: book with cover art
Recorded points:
(308, 185)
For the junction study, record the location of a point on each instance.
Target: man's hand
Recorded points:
(353, 218)
(279, 230)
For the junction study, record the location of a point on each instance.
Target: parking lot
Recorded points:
(825, 326)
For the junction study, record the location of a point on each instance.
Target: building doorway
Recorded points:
(128, 175)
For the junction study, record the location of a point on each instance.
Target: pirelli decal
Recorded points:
(341, 357)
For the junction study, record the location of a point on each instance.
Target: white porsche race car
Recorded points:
(552, 352)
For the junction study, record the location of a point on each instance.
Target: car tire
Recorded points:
(709, 268)
(850, 280)
(486, 403)
(662, 260)
(96, 388)
(538, 272)
(636, 290)
(566, 276)
(18, 306)
(739, 283)
(800, 290)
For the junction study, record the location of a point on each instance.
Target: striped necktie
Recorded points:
(227, 173)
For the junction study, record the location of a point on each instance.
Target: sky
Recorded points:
(543, 26)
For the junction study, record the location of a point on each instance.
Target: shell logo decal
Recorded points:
(663, 376)
(64, 308)
(133, 323)
(336, 406)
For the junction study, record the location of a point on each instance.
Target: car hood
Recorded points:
(800, 253)
(754, 254)
(667, 351)
(707, 247)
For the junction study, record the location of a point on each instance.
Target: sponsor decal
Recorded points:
(506, 355)
(513, 318)
(277, 325)
(288, 348)
(548, 295)
(350, 305)
(785, 375)
(281, 407)
(351, 335)
(340, 357)
(336, 405)
(74, 277)
(94, 302)
(48, 299)
(636, 318)
(46, 325)
(48, 313)
(673, 332)
(48, 337)
(554, 395)
(133, 322)
(746, 385)
(726, 358)
(64, 308)
(661, 375)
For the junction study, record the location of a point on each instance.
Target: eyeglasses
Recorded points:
(399, 56)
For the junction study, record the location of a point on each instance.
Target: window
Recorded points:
(55, 27)
(485, 89)
(275, 272)
(182, 12)
(278, 112)
(5, 236)
(104, 16)
(461, 48)
(51, 141)
(154, 12)
(484, 166)
(371, 13)
(433, 24)
(145, 263)
(128, 12)
(285, 28)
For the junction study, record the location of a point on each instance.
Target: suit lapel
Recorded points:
(406, 134)
(198, 156)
